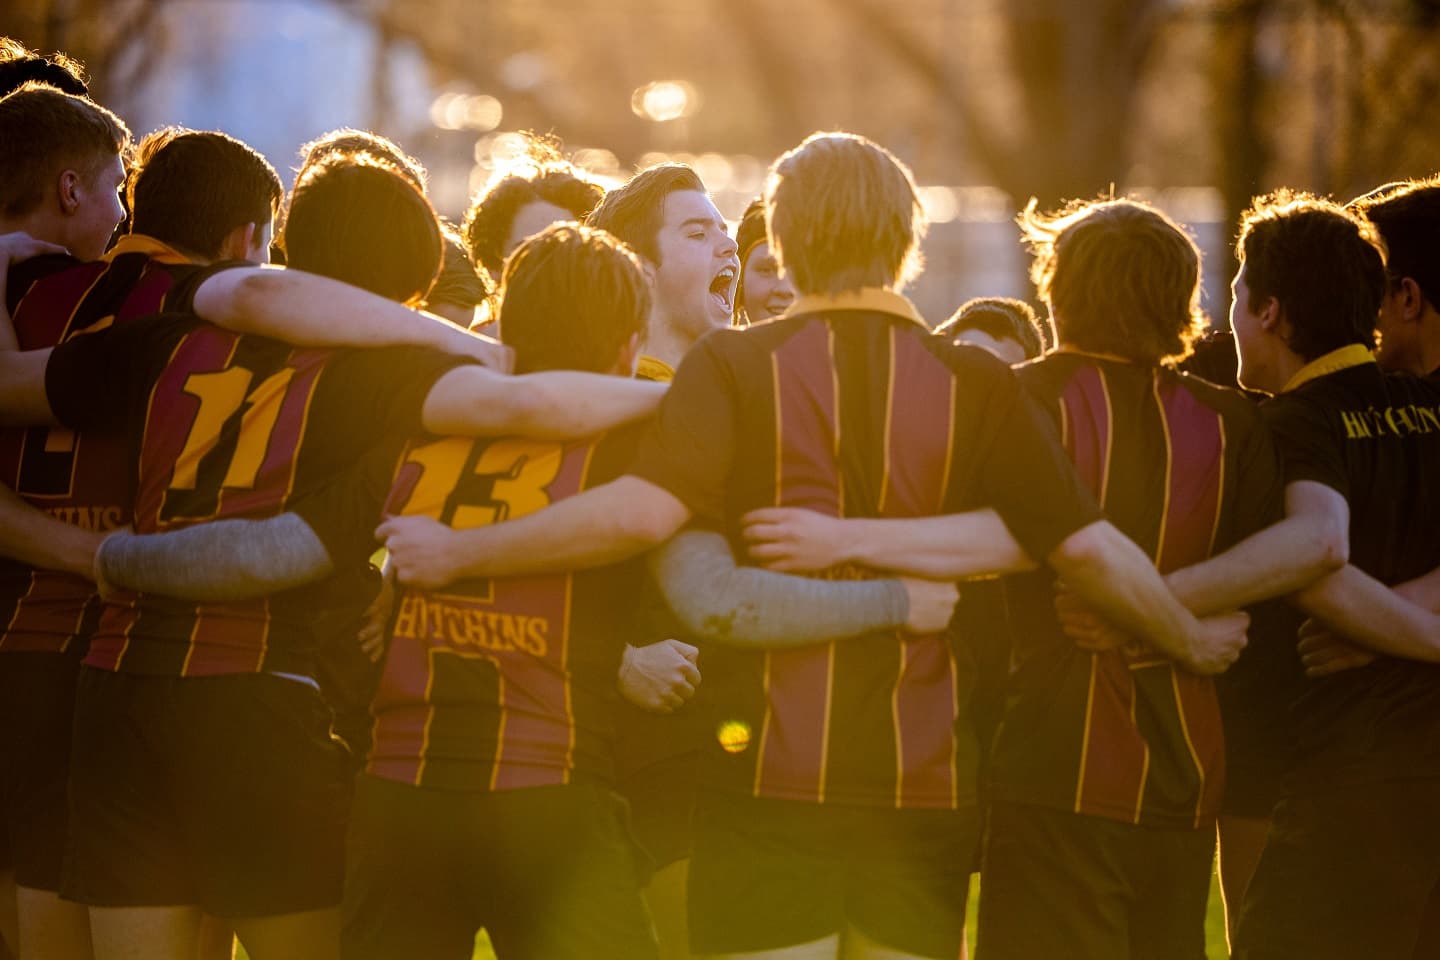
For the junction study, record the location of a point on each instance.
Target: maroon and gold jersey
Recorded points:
(81, 480)
(503, 683)
(852, 408)
(1185, 469)
(224, 426)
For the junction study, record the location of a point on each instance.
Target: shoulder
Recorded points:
(51, 269)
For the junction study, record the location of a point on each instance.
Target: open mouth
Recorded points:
(722, 288)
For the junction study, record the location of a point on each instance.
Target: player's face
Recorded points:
(1008, 350)
(695, 279)
(1251, 341)
(768, 292)
(98, 213)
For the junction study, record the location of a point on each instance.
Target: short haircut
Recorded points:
(571, 298)
(354, 140)
(636, 211)
(192, 188)
(750, 231)
(356, 218)
(843, 213)
(1324, 266)
(541, 175)
(1002, 318)
(1407, 215)
(459, 283)
(20, 65)
(44, 131)
(1120, 277)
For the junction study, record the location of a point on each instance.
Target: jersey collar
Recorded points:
(653, 368)
(149, 246)
(876, 299)
(1351, 355)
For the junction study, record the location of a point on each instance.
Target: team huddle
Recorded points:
(664, 654)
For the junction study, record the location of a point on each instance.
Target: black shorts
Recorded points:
(662, 807)
(1058, 884)
(37, 706)
(768, 874)
(226, 793)
(1351, 872)
(547, 871)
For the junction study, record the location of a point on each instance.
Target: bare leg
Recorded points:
(217, 939)
(857, 946)
(826, 949)
(665, 898)
(312, 935)
(145, 933)
(1241, 841)
(51, 927)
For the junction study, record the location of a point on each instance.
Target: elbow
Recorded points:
(1332, 545)
(1087, 549)
(643, 529)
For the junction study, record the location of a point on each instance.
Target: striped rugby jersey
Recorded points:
(1185, 469)
(849, 406)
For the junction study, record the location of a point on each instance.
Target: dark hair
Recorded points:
(843, 214)
(635, 212)
(20, 65)
(571, 298)
(1002, 318)
(353, 140)
(1120, 278)
(44, 131)
(541, 175)
(1408, 218)
(356, 218)
(192, 188)
(459, 282)
(1214, 358)
(1324, 266)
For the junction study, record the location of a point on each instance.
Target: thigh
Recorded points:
(1052, 884)
(263, 792)
(402, 898)
(563, 881)
(908, 878)
(1365, 858)
(124, 847)
(766, 874)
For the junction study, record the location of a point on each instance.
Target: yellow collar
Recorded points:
(152, 248)
(653, 368)
(876, 299)
(1352, 355)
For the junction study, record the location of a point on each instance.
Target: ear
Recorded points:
(1412, 301)
(629, 356)
(70, 190)
(238, 243)
(1272, 316)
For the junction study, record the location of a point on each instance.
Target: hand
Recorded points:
(1217, 643)
(419, 551)
(659, 676)
(372, 626)
(1323, 653)
(795, 540)
(932, 604)
(21, 246)
(1086, 628)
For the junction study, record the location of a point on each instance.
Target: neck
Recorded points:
(665, 343)
(1287, 364)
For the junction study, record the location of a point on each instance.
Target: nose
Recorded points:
(728, 247)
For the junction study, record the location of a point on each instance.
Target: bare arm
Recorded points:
(610, 523)
(1312, 541)
(216, 561)
(311, 310)
(555, 404)
(39, 540)
(950, 547)
(1424, 591)
(717, 600)
(1109, 572)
